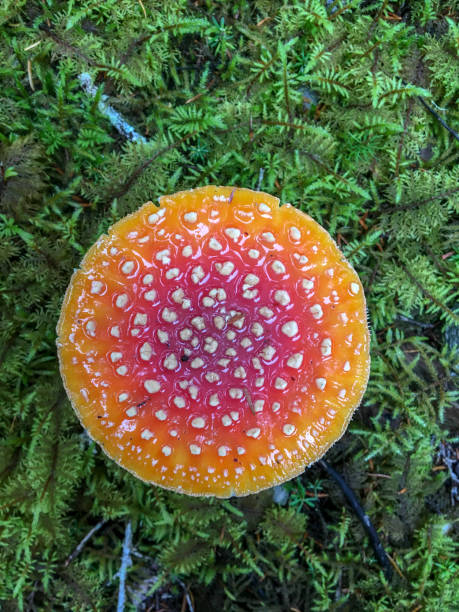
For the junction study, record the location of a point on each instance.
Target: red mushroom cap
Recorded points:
(216, 345)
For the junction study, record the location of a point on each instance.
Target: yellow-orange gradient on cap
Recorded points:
(216, 344)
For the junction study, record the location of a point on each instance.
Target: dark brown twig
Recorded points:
(186, 598)
(413, 322)
(337, 13)
(362, 516)
(80, 546)
(438, 118)
(450, 459)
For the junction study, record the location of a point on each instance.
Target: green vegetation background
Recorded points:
(322, 105)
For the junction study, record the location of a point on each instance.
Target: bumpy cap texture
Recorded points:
(216, 344)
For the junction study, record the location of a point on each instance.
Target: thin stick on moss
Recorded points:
(80, 546)
(125, 563)
(186, 597)
(363, 517)
(260, 178)
(438, 118)
(115, 118)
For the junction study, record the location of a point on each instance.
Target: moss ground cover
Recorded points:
(348, 110)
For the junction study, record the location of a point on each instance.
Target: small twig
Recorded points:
(260, 178)
(413, 322)
(377, 18)
(338, 12)
(395, 566)
(194, 98)
(33, 45)
(125, 563)
(80, 546)
(235, 318)
(248, 399)
(263, 21)
(293, 126)
(186, 596)
(332, 5)
(450, 460)
(29, 75)
(115, 118)
(143, 8)
(209, 88)
(363, 517)
(438, 118)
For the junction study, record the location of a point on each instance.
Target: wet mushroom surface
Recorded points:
(216, 344)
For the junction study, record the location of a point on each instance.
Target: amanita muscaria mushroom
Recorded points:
(216, 344)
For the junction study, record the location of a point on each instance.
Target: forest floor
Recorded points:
(347, 110)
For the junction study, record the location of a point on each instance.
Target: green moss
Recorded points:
(318, 105)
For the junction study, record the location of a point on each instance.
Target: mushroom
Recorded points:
(216, 344)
